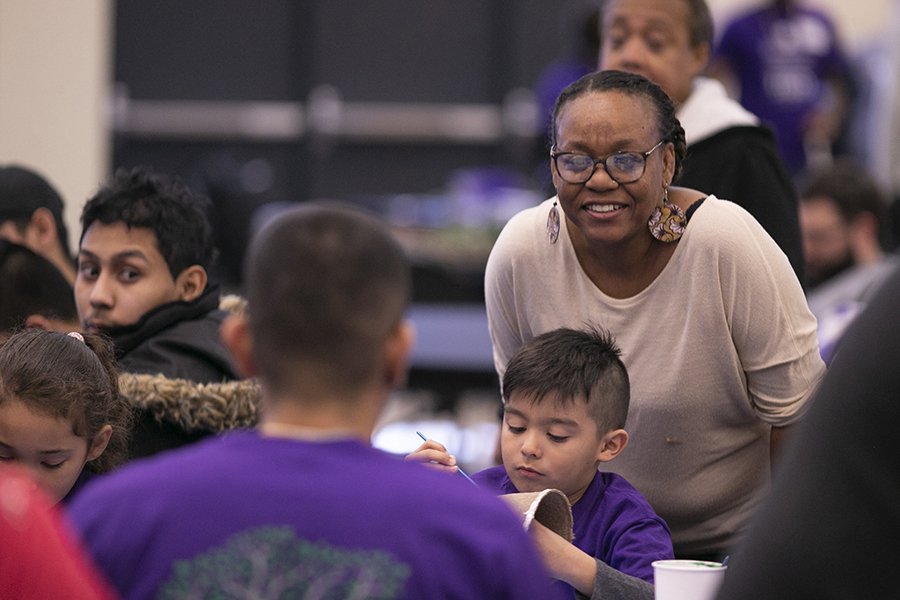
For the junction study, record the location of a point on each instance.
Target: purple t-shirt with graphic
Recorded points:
(782, 60)
(612, 521)
(251, 516)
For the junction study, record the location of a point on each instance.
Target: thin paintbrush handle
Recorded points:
(458, 468)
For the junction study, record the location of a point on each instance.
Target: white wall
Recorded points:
(55, 68)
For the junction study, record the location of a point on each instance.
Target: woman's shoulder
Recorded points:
(694, 202)
(718, 225)
(714, 212)
(532, 218)
(523, 229)
(721, 232)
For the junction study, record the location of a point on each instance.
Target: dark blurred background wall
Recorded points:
(283, 101)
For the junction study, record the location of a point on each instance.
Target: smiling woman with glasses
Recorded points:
(715, 332)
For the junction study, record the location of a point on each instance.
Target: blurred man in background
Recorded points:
(31, 214)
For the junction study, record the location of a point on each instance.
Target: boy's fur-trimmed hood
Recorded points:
(194, 407)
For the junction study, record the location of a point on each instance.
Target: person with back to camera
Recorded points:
(145, 250)
(328, 516)
(715, 332)
(61, 414)
(34, 293)
(729, 153)
(566, 395)
(31, 214)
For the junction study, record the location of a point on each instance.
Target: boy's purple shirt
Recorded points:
(243, 511)
(612, 522)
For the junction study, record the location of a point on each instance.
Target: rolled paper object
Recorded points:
(548, 507)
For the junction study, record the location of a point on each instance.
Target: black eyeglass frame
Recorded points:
(602, 161)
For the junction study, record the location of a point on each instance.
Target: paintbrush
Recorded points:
(458, 468)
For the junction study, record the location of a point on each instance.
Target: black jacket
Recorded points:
(742, 164)
(178, 343)
(179, 339)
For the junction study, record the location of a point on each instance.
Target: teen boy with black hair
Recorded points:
(565, 399)
(145, 249)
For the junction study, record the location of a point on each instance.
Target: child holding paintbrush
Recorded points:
(566, 396)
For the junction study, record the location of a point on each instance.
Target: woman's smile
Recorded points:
(607, 209)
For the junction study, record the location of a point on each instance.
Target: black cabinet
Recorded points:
(287, 101)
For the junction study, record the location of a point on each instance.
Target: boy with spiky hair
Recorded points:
(566, 395)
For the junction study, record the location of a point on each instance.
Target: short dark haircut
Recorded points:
(667, 123)
(700, 21)
(853, 191)
(61, 376)
(23, 191)
(140, 198)
(31, 285)
(567, 365)
(326, 286)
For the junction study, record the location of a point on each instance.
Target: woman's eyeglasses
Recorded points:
(622, 167)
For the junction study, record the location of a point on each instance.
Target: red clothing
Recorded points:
(39, 556)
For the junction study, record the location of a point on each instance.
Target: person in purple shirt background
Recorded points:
(730, 152)
(787, 61)
(305, 507)
(566, 396)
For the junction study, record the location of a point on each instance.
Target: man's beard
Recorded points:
(815, 278)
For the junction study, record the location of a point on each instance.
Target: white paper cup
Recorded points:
(687, 579)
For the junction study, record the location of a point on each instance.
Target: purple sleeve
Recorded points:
(495, 480)
(615, 523)
(635, 546)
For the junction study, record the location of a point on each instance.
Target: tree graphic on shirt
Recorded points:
(273, 563)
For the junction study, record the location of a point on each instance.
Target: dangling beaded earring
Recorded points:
(667, 221)
(553, 224)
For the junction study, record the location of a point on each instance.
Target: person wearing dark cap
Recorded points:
(31, 214)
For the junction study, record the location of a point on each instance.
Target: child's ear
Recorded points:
(50, 324)
(612, 444)
(235, 334)
(39, 321)
(99, 443)
(191, 283)
(397, 352)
